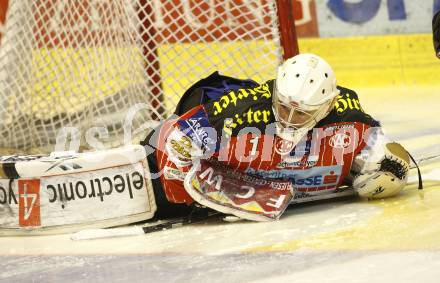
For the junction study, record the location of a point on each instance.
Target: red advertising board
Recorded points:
(167, 21)
(305, 18)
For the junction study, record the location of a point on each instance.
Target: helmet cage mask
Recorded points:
(297, 115)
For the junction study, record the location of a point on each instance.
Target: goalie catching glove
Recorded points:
(382, 174)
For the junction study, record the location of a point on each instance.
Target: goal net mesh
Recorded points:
(95, 69)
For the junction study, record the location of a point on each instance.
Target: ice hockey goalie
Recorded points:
(233, 145)
(297, 136)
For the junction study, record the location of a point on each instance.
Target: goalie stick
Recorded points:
(198, 217)
(194, 217)
(424, 160)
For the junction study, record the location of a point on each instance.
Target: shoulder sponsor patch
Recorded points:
(198, 128)
(173, 174)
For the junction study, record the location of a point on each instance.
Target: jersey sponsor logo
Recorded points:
(304, 178)
(231, 98)
(340, 140)
(249, 117)
(272, 174)
(300, 155)
(198, 128)
(345, 102)
(29, 203)
(283, 147)
(296, 163)
(338, 127)
(244, 115)
(174, 174)
(317, 180)
(182, 146)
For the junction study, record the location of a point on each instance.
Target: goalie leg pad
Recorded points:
(59, 194)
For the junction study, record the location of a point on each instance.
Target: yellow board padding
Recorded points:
(372, 61)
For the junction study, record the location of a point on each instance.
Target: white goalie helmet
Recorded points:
(304, 93)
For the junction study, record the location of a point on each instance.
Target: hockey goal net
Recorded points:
(85, 64)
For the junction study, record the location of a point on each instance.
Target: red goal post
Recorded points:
(85, 64)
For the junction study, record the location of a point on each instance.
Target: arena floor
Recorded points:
(356, 240)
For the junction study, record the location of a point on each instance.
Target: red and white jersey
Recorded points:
(238, 130)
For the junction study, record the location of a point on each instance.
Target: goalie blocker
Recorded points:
(70, 191)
